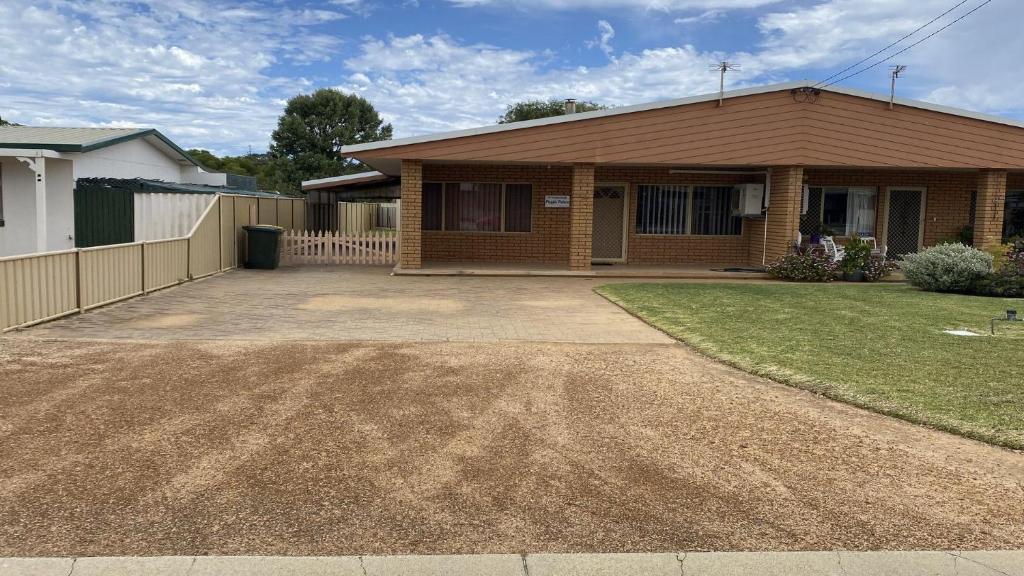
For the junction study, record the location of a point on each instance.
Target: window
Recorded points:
(661, 209)
(477, 207)
(845, 211)
(712, 211)
(432, 205)
(1013, 215)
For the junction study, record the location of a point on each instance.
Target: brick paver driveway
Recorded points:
(556, 423)
(362, 303)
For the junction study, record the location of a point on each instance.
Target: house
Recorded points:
(323, 195)
(701, 181)
(39, 167)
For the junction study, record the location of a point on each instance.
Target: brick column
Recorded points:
(988, 209)
(783, 218)
(581, 216)
(411, 239)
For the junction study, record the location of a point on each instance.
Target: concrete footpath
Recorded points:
(1002, 563)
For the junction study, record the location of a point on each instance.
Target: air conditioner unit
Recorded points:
(749, 200)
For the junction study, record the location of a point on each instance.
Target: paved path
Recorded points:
(954, 563)
(362, 303)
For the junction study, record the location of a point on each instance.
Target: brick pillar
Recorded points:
(988, 210)
(581, 216)
(783, 218)
(411, 239)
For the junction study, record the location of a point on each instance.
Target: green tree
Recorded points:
(534, 109)
(309, 136)
(6, 123)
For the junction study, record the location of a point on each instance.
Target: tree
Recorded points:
(534, 109)
(309, 136)
(6, 123)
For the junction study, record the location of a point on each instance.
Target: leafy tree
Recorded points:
(6, 123)
(309, 135)
(534, 109)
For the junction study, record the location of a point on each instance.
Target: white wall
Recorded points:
(60, 205)
(18, 234)
(170, 215)
(195, 175)
(132, 159)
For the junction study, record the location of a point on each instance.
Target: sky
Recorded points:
(216, 74)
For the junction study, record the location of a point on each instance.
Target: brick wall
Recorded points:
(548, 239)
(410, 213)
(947, 200)
(581, 216)
(988, 218)
(676, 249)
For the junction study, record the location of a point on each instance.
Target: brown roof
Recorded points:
(764, 127)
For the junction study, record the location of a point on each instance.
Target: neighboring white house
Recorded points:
(39, 166)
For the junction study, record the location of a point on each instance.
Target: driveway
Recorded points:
(325, 411)
(362, 303)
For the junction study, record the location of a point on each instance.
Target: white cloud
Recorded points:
(196, 70)
(659, 5)
(604, 38)
(705, 17)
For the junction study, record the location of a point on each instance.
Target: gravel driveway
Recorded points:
(116, 448)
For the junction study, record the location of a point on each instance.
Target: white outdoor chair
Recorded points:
(875, 251)
(834, 251)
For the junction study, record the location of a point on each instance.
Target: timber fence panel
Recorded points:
(228, 238)
(165, 263)
(109, 273)
(339, 248)
(204, 244)
(37, 287)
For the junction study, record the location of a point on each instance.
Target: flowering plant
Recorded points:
(811, 266)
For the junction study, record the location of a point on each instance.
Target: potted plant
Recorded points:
(855, 260)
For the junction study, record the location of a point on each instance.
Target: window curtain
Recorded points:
(472, 207)
(661, 209)
(518, 205)
(431, 216)
(712, 211)
(860, 211)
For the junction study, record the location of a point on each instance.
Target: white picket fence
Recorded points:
(374, 247)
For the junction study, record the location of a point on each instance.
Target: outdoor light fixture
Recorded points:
(1011, 316)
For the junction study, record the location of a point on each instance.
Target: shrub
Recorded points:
(857, 255)
(808, 267)
(947, 268)
(1005, 284)
(879, 268)
(1013, 258)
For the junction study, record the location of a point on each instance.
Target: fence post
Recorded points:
(78, 280)
(142, 265)
(220, 233)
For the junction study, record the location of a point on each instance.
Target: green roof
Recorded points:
(80, 139)
(143, 185)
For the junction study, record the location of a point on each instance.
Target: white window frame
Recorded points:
(847, 231)
(504, 186)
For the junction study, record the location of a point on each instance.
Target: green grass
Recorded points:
(880, 347)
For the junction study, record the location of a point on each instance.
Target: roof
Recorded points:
(346, 180)
(566, 118)
(86, 139)
(159, 186)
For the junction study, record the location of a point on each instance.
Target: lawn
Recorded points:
(881, 347)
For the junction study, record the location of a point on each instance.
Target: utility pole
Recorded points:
(896, 71)
(722, 68)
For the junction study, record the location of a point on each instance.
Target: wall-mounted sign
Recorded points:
(556, 201)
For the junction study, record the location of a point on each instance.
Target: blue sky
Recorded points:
(216, 73)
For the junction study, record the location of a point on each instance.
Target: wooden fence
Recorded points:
(376, 247)
(39, 287)
(357, 217)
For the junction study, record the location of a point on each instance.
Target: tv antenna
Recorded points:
(723, 67)
(896, 71)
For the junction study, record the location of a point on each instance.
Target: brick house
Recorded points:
(695, 182)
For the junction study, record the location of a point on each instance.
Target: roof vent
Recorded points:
(570, 105)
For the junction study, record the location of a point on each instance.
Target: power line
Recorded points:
(922, 27)
(894, 54)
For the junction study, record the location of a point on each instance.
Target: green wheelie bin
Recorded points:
(264, 246)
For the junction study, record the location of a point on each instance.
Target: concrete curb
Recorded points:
(938, 563)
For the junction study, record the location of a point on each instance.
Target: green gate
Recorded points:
(104, 211)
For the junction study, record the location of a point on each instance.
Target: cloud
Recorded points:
(604, 38)
(706, 17)
(198, 71)
(656, 5)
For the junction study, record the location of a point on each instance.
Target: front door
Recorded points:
(608, 243)
(904, 223)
